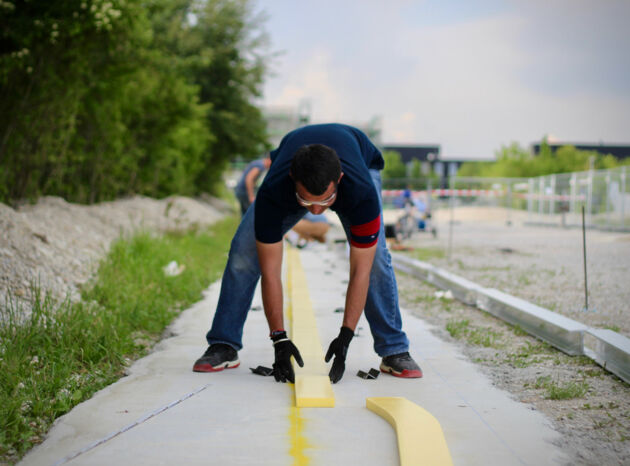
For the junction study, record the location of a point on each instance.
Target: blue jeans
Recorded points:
(243, 200)
(242, 273)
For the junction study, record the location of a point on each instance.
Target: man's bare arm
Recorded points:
(270, 259)
(250, 181)
(361, 260)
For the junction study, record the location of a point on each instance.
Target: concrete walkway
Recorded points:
(163, 413)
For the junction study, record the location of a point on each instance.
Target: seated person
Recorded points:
(312, 227)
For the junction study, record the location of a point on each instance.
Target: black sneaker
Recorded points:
(401, 365)
(216, 358)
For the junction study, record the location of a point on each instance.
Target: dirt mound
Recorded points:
(57, 245)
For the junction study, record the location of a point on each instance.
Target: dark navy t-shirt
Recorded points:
(357, 199)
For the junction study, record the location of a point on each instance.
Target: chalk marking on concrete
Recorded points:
(128, 427)
(312, 384)
(420, 436)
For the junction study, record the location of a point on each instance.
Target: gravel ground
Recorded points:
(543, 265)
(589, 406)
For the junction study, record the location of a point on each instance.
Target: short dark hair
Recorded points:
(315, 166)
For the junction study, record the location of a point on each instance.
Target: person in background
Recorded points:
(311, 227)
(245, 189)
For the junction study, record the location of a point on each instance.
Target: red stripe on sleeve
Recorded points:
(367, 229)
(363, 245)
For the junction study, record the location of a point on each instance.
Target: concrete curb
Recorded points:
(609, 349)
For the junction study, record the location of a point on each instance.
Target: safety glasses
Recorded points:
(325, 202)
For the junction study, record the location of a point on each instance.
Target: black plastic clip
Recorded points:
(262, 370)
(371, 375)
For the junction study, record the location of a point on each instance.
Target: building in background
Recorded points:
(431, 161)
(427, 155)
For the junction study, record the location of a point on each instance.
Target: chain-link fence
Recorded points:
(551, 200)
(604, 194)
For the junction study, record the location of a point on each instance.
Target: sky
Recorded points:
(471, 76)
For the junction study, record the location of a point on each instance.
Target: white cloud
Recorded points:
(469, 85)
(467, 89)
(312, 78)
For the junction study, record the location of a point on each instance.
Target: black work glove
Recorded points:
(339, 348)
(284, 349)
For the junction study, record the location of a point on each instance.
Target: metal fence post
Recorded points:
(552, 200)
(509, 203)
(530, 198)
(589, 197)
(452, 217)
(541, 192)
(608, 200)
(623, 196)
(429, 194)
(573, 186)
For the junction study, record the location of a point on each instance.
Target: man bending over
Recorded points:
(317, 167)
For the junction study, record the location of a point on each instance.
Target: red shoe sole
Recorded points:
(406, 374)
(209, 368)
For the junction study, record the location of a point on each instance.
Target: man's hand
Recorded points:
(284, 349)
(339, 348)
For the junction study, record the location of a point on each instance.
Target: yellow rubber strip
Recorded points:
(420, 436)
(312, 385)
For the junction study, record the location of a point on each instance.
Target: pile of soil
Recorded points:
(55, 246)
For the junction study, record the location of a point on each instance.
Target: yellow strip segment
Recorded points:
(312, 385)
(420, 436)
(299, 444)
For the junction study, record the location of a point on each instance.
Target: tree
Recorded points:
(394, 167)
(514, 161)
(101, 98)
(229, 80)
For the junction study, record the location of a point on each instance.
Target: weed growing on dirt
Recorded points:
(484, 336)
(555, 391)
(528, 354)
(479, 336)
(518, 330)
(457, 328)
(63, 352)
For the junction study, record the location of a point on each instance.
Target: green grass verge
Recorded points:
(64, 352)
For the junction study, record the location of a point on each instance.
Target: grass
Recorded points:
(425, 254)
(63, 352)
(485, 337)
(555, 391)
(528, 354)
(479, 336)
(614, 328)
(518, 330)
(457, 328)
